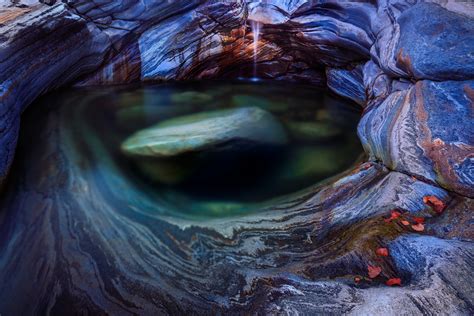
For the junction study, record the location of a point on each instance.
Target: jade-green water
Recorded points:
(209, 148)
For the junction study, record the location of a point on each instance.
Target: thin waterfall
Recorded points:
(256, 33)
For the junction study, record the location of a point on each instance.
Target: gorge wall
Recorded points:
(408, 64)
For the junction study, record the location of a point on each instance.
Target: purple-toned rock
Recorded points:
(377, 84)
(332, 34)
(347, 83)
(426, 41)
(41, 47)
(216, 39)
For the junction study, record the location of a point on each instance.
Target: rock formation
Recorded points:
(79, 245)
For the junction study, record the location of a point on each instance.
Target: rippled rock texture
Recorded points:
(68, 241)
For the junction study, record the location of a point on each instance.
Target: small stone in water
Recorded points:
(241, 100)
(191, 97)
(312, 131)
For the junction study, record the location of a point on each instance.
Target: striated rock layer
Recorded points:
(102, 243)
(419, 131)
(75, 240)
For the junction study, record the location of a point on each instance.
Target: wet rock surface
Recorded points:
(87, 248)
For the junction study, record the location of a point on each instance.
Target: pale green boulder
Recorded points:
(206, 131)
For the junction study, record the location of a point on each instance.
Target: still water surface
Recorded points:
(209, 148)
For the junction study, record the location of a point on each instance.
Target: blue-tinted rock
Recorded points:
(420, 132)
(435, 43)
(113, 230)
(347, 83)
(377, 84)
(269, 260)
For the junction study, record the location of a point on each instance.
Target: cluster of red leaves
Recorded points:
(436, 204)
(373, 271)
(415, 222)
(382, 252)
(405, 220)
(394, 281)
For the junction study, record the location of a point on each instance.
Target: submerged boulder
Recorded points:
(318, 131)
(214, 130)
(192, 97)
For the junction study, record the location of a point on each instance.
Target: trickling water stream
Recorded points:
(255, 25)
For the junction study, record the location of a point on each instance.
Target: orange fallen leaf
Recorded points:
(382, 252)
(357, 280)
(394, 281)
(393, 215)
(418, 220)
(436, 204)
(418, 227)
(373, 271)
(406, 223)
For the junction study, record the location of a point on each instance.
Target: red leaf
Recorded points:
(382, 252)
(393, 215)
(436, 204)
(418, 220)
(418, 227)
(373, 271)
(394, 281)
(406, 223)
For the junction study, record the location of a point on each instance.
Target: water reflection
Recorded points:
(211, 149)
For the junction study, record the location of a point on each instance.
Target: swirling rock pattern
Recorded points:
(96, 251)
(71, 240)
(69, 47)
(417, 131)
(347, 83)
